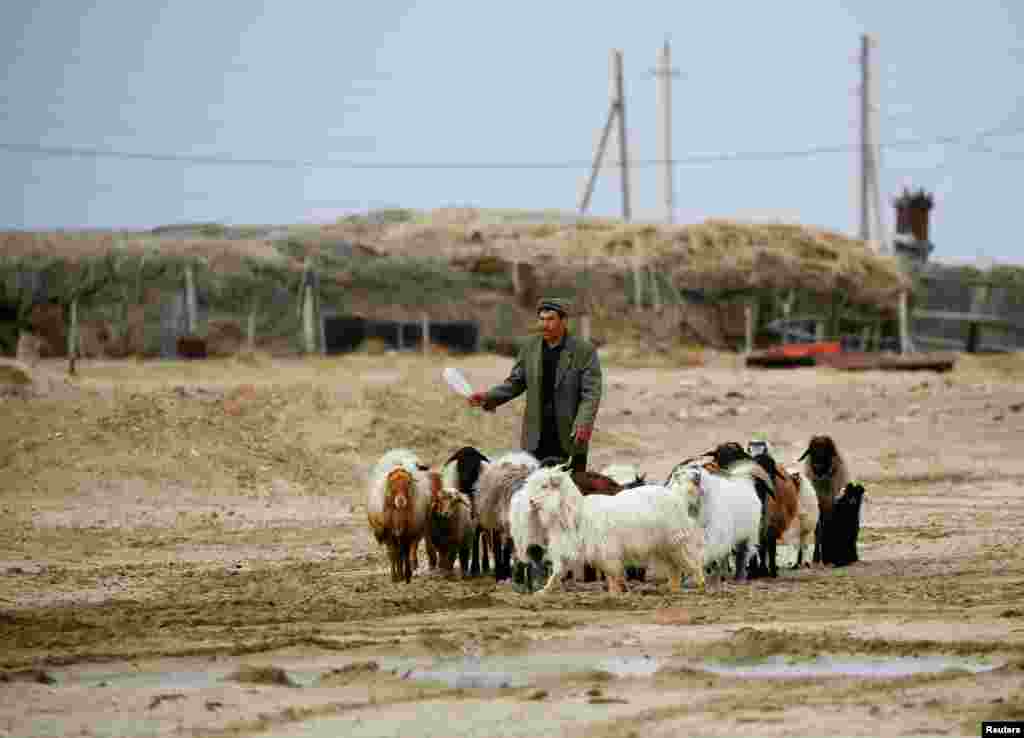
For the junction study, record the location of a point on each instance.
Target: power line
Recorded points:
(690, 159)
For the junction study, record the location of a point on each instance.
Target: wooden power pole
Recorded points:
(870, 196)
(616, 112)
(665, 73)
(620, 102)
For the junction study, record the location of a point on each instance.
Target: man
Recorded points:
(561, 375)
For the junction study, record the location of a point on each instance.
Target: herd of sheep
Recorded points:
(539, 521)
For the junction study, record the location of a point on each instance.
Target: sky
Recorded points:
(247, 111)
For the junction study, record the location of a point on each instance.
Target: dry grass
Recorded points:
(714, 255)
(317, 424)
(222, 255)
(1004, 366)
(638, 355)
(272, 675)
(15, 373)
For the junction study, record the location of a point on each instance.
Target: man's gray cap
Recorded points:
(557, 304)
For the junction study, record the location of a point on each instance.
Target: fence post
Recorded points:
(904, 324)
(73, 337)
(979, 297)
(748, 320)
(308, 309)
(323, 328)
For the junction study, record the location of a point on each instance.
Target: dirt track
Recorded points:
(165, 525)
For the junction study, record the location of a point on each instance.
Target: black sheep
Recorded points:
(843, 528)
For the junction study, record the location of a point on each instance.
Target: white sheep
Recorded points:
(726, 506)
(397, 507)
(528, 537)
(637, 526)
(498, 481)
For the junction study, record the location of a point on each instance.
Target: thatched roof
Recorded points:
(716, 256)
(222, 255)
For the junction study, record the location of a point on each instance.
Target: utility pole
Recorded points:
(620, 102)
(665, 73)
(619, 98)
(876, 196)
(865, 78)
(616, 111)
(870, 197)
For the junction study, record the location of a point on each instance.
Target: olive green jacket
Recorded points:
(578, 388)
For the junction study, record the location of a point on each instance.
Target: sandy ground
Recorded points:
(171, 531)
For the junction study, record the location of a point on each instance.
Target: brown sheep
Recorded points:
(781, 509)
(397, 508)
(451, 529)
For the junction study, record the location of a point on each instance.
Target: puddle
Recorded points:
(496, 673)
(521, 671)
(501, 672)
(864, 667)
(465, 672)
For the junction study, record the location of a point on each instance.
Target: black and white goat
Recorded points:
(462, 472)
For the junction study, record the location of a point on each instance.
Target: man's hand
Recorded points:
(479, 399)
(583, 434)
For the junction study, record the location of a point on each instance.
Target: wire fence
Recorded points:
(143, 302)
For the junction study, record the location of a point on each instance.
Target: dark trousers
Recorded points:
(549, 445)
